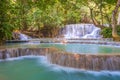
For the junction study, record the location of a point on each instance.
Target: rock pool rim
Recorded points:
(16, 41)
(53, 49)
(103, 41)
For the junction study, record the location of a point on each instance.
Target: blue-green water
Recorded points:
(75, 48)
(37, 68)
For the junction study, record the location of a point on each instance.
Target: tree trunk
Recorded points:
(101, 12)
(94, 20)
(91, 14)
(118, 22)
(116, 37)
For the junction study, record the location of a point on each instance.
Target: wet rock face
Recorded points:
(79, 61)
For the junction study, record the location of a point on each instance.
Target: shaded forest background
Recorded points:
(44, 18)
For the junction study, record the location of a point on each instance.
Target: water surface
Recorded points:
(73, 47)
(37, 68)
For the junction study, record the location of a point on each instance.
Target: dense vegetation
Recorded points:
(43, 15)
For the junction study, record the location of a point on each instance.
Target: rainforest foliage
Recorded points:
(40, 15)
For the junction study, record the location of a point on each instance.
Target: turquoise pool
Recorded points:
(37, 68)
(73, 47)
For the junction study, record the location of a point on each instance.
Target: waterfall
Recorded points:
(54, 56)
(17, 52)
(23, 36)
(85, 61)
(17, 35)
(95, 34)
(81, 31)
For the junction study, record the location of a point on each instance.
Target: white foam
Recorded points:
(22, 57)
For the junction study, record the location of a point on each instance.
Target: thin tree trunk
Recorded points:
(114, 22)
(108, 20)
(118, 22)
(94, 20)
(91, 14)
(101, 12)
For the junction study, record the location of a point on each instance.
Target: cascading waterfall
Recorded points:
(81, 31)
(20, 36)
(95, 34)
(85, 61)
(80, 61)
(23, 36)
(17, 52)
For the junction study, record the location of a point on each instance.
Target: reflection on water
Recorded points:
(37, 68)
(75, 48)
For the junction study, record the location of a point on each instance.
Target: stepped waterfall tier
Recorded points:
(87, 62)
(81, 31)
(17, 52)
(80, 61)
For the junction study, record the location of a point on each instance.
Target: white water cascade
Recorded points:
(23, 36)
(81, 31)
(20, 36)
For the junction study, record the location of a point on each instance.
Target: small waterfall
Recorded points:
(17, 52)
(81, 31)
(95, 34)
(23, 36)
(19, 36)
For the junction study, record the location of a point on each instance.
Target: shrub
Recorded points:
(107, 32)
